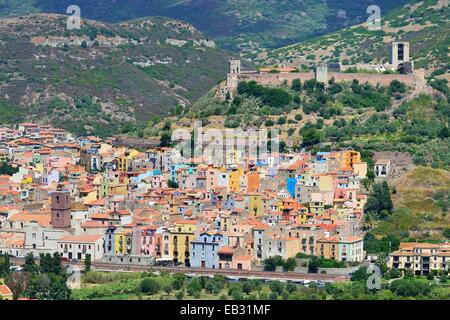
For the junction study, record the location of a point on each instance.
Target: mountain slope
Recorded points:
(103, 74)
(237, 24)
(424, 24)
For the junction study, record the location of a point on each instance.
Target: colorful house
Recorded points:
(204, 250)
(181, 236)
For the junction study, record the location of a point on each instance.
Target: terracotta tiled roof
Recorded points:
(81, 238)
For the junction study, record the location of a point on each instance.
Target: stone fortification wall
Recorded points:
(374, 79)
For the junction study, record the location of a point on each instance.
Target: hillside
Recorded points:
(424, 24)
(237, 24)
(422, 200)
(103, 76)
(340, 115)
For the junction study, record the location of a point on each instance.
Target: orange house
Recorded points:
(252, 181)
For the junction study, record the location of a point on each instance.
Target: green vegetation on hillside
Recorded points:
(240, 24)
(130, 72)
(424, 24)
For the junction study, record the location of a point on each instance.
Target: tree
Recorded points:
(269, 123)
(291, 287)
(290, 264)
(194, 287)
(87, 263)
(360, 275)
(57, 267)
(379, 204)
(447, 233)
(180, 295)
(5, 265)
(178, 281)
(310, 137)
(281, 120)
(234, 287)
(411, 287)
(276, 287)
(30, 265)
(7, 169)
(18, 282)
(168, 288)
(172, 184)
(247, 287)
(444, 133)
(313, 265)
(296, 85)
(237, 294)
(149, 286)
(49, 286)
(269, 264)
(165, 140)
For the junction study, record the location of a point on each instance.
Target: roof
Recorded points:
(41, 219)
(81, 238)
(5, 291)
(226, 250)
(93, 224)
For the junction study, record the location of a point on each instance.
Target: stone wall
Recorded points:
(338, 271)
(374, 79)
(127, 260)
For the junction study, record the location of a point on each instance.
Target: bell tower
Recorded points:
(60, 208)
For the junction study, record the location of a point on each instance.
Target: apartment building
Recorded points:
(421, 258)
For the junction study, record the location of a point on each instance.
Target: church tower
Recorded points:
(60, 208)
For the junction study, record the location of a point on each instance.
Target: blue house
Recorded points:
(109, 240)
(290, 186)
(204, 250)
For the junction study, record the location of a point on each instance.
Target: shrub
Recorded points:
(149, 286)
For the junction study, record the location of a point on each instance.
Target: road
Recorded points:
(230, 273)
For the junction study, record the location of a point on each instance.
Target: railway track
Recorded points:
(231, 273)
(225, 272)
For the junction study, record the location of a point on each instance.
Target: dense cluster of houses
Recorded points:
(83, 195)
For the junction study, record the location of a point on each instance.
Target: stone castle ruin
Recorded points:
(399, 61)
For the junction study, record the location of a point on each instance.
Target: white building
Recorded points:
(77, 247)
(351, 249)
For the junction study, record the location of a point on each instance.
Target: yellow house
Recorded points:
(325, 183)
(225, 223)
(348, 158)
(234, 180)
(360, 168)
(117, 189)
(39, 167)
(302, 215)
(124, 161)
(255, 206)
(122, 243)
(180, 238)
(328, 248)
(27, 180)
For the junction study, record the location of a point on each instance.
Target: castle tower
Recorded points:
(234, 70)
(60, 208)
(399, 54)
(234, 67)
